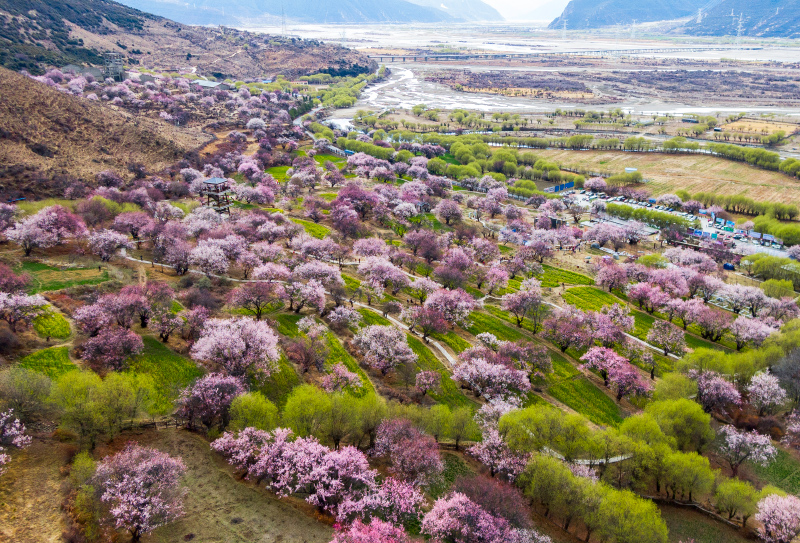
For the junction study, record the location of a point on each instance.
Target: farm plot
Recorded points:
(52, 324)
(695, 173)
(553, 277)
(313, 229)
(46, 278)
(53, 362)
(449, 394)
(170, 371)
(570, 387)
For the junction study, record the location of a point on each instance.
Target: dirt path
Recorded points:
(30, 494)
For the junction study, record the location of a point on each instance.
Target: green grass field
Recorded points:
(562, 368)
(313, 229)
(286, 324)
(46, 278)
(553, 277)
(170, 371)
(53, 362)
(585, 398)
(328, 196)
(784, 472)
(510, 319)
(686, 524)
(339, 161)
(481, 322)
(372, 317)
(278, 172)
(453, 340)
(450, 393)
(589, 298)
(567, 385)
(351, 282)
(280, 383)
(338, 354)
(52, 324)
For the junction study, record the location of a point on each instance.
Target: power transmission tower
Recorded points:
(739, 30)
(283, 21)
(633, 29)
(699, 15)
(564, 31)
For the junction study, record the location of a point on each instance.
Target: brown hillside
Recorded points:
(48, 139)
(36, 34)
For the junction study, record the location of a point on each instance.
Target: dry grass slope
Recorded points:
(694, 173)
(46, 134)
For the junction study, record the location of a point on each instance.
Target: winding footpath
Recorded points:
(448, 357)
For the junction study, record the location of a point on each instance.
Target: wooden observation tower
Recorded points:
(217, 194)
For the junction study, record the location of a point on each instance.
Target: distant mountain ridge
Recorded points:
(254, 12)
(585, 14)
(762, 18)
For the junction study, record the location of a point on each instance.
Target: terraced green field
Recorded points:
(372, 317)
(45, 278)
(585, 398)
(553, 277)
(589, 298)
(280, 383)
(52, 324)
(784, 472)
(568, 386)
(453, 340)
(450, 393)
(286, 324)
(313, 229)
(339, 161)
(278, 172)
(337, 353)
(53, 362)
(170, 371)
(481, 322)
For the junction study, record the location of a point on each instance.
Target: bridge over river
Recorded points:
(438, 57)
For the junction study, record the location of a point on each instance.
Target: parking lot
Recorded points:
(740, 241)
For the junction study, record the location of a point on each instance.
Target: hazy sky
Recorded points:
(512, 9)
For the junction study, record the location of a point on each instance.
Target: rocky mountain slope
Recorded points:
(38, 33)
(49, 139)
(762, 18)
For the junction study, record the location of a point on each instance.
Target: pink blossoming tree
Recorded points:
(780, 518)
(239, 345)
(142, 488)
(384, 347)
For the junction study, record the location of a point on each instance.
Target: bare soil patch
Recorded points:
(220, 507)
(31, 494)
